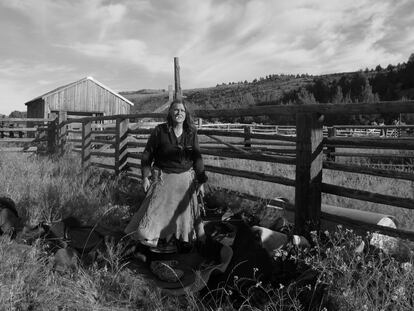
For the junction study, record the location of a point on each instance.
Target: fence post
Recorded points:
(52, 135)
(309, 152)
(62, 131)
(86, 144)
(331, 149)
(247, 137)
(121, 144)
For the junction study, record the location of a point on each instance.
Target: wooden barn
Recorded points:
(86, 97)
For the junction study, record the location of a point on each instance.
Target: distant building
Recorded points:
(86, 97)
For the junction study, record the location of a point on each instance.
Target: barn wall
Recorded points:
(86, 96)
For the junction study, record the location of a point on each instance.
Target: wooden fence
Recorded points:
(28, 134)
(337, 130)
(114, 142)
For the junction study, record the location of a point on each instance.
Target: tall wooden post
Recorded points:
(121, 144)
(178, 94)
(86, 144)
(170, 93)
(52, 136)
(62, 131)
(309, 151)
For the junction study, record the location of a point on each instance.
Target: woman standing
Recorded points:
(173, 160)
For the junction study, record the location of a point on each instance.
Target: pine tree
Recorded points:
(305, 97)
(338, 97)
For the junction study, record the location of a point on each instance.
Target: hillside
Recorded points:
(225, 96)
(369, 85)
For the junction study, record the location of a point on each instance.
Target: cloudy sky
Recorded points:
(130, 44)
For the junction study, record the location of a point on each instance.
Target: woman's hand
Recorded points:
(200, 190)
(146, 184)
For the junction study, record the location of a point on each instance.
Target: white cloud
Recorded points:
(134, 52)
(15, 68)
(131, 43)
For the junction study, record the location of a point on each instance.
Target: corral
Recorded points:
(121, 140)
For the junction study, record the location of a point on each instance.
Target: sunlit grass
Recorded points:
(47, 189)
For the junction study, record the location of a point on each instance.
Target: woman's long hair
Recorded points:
(188, 122)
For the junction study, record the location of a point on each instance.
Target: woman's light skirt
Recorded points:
(169, 210)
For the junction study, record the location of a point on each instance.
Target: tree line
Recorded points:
(379, 84)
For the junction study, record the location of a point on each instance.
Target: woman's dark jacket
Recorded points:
(173, 155)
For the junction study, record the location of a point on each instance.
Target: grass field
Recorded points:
(48, 189)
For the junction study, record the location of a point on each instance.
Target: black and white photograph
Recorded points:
(206, 155)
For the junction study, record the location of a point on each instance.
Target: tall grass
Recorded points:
(50, 189)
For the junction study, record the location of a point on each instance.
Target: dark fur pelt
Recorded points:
(249, 270)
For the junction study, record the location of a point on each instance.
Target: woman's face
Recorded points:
(178, 113)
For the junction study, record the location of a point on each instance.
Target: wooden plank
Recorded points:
(18, 129)
(252, 136)
(140, 131)
(135, 155)
(406, 126)
(103, 142)
(16, 140)
(386, 143)
(228, 145)
(104, 132)
(255, 150)
(62, 131)
(120, 143)
(52, 137)
(133, 144)
(255, 143)
(86, 145)
(133, 175)
(368, 196)
(372, 155)
(250, 175)
(353, 147)
(26, 119)
(309, 154)
(134, 165)
(368, 170)
(18, 149)
(102, 165)
(250, 156)
(103, 154)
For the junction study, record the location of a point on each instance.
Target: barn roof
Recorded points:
(79, 81)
